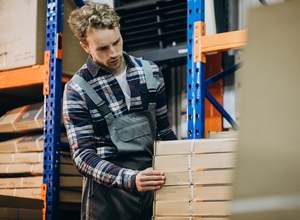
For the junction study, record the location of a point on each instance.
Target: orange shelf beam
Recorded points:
(37, 74)
(217, 42)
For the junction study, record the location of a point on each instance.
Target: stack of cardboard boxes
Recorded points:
(21, 159)
(21, 166)
(199, 178)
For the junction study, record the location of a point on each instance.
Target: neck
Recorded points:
(121, 69)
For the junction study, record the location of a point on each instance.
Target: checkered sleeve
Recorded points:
(78, 123)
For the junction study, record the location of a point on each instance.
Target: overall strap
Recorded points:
(151, 82)
(103, 108)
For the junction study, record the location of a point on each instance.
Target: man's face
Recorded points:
(105, 47)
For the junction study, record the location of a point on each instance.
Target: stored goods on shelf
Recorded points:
(24, 45)
(25, 118)
(28, 143)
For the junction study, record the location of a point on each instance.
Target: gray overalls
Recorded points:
(134, 135)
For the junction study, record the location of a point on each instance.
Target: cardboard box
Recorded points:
(21, 158)
(194, 192)
(24, 45)
(32, 193)
(31, 119)
(195, 161)
(26, 118)
(187, 147)
(65, 157)
(70, 181)
(224, 176)
(21, 182)
(69, 170)
(72, 196)
(33, 169)
(20, 213)
(192, 208)
(6, 120)
(20, 208)
(33, 143)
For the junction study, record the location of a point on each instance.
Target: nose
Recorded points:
(113, 52)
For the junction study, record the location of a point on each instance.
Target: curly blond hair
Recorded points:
(92, 15)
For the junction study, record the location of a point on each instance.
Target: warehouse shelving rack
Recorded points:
(50, 75)
(198, 46)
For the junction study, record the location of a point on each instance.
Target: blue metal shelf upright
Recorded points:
(195, 75)
(54, 21)
(198, 45)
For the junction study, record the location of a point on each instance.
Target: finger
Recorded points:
(146, 178)
(150, 171)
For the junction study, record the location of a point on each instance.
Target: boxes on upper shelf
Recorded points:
(32, 193)
(28, 143)
(24, 45)
(32, 157)
(24, 168)
(25, 118)
(21, 182)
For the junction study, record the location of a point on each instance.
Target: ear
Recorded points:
(85, 47)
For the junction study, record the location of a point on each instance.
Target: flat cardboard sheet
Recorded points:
(21, 182)
(28, 143)
(195, 161)
(32, 193)
(192, 208)
(187, 147)
(16, 158)
(32, 169)
(194, 192)
(224, 176)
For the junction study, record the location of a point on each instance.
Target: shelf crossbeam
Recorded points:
(27, 76)
(217, 42)
(199, 45)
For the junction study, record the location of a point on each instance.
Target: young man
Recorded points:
(114, 109)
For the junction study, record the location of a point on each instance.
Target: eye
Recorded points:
(116, 42)
(102, 48)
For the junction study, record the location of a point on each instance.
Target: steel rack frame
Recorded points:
(52, 114)
(198, 45)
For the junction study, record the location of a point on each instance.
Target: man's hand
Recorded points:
(149, 179)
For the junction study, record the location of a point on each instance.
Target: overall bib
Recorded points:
(134, 135)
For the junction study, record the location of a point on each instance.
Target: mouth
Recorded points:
(114, 61)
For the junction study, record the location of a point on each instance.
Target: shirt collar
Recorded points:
(95, 68)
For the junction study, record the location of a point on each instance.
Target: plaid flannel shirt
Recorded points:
(81, 118)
